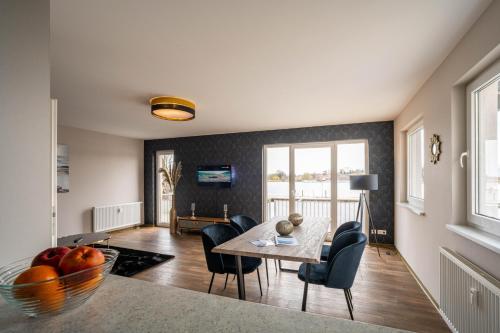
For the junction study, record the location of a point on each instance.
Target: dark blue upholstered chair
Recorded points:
(244, 223)
(347, 226)
(340, 269)
(216, 234)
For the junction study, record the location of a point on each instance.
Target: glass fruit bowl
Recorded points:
(53, 296)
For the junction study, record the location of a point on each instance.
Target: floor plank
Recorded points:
(384, 292)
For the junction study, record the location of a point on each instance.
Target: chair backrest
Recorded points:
(213, 235)
(242, 223)
(344, 227)
(347, 251)
(347, 226)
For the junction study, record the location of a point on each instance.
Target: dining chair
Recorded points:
(216, 234)
(340, 269)
(243, 223)
(344, 227)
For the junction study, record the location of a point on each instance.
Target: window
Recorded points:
(415, 160)
(299, 178)
(483, 186)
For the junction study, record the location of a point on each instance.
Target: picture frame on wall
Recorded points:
(62, 168)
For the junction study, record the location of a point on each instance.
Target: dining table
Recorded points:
(310, 236)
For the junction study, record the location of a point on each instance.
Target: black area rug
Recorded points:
(131, 262)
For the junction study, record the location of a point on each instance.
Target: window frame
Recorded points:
(482, 222)
(415, 202)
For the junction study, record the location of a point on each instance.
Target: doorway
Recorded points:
(164, 194)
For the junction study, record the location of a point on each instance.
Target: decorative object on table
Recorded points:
(296, 219)
(365, 183)
(52, 296)
(62, 169)
(193, 206)
(171, 174)
(285, 240)
(131, 262)
(172, 108)
(284, 227)
(225, 212)
(435, 147)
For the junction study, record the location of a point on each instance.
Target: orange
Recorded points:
(49, 294)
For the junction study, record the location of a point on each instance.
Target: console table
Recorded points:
(197, 222)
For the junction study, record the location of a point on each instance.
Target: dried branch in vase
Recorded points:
(172, 174)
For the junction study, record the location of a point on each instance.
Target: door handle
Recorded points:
(464, 154)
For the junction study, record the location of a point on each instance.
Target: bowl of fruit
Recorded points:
(56, 280)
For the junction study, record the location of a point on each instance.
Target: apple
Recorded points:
(50, 257)
(81, 258)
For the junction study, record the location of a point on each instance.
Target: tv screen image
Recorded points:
(214, 175)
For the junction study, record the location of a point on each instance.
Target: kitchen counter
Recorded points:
(131, 305)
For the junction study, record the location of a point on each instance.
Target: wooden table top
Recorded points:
(310, 236)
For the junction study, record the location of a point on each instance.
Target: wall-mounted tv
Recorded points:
(214, 175)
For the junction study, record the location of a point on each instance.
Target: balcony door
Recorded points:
(164, 193)
(298, 178)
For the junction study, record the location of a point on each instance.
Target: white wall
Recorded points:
(441, 103)
(103, 170)
(25, 198)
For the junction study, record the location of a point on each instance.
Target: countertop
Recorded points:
(131, 305)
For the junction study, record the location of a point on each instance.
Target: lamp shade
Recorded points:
(172, 108)
(364, 182)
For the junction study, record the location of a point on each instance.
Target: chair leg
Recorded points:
(275, 266)
(350, 298)
(225, 283)
(267, 274)
(348, 304)
(211, 282)
(260, 285)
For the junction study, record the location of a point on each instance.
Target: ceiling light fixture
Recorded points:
(172, 108)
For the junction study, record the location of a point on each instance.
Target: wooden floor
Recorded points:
(384, 292)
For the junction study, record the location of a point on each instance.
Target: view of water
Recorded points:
(311, 190)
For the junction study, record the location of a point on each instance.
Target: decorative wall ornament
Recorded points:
(62, 169)
(435, 147)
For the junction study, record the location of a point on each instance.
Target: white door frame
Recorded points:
(158, 183)
(53, 170)
(291, 161)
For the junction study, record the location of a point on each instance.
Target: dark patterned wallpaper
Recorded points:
(243, 151)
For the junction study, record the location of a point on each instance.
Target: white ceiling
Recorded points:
(248, 65)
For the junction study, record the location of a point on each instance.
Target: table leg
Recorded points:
(306, 284)
(241, 283)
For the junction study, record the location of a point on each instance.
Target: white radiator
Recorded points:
(469, 297)
(114, 217)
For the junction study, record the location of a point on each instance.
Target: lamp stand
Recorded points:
(363, 201)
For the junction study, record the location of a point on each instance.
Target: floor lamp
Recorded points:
(365, 183)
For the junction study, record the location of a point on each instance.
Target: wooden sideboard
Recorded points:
(196, 223)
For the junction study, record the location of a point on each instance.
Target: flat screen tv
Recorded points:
(214, 175)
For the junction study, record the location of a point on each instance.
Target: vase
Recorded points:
(296, 219)
(173, 217)
(284, 227)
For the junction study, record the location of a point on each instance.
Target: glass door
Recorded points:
(351, 160)
(163, 191)
(276, 182)
(311, 190)
(299, 178)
